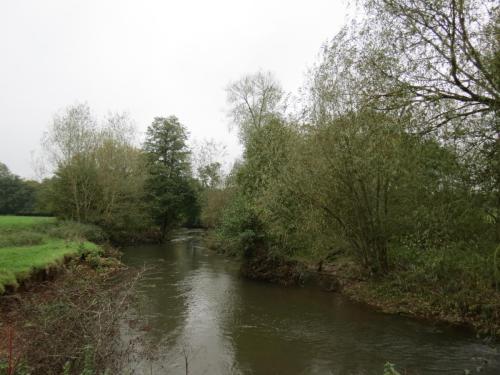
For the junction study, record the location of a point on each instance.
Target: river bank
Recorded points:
(67, 324)
(194, 299)
(61, 297)
(35, 248)
(198, 306)
(395, 294)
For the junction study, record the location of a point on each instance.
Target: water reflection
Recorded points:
(209, 296)
(197, 306)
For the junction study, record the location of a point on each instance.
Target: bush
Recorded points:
(70, 327)
(213, 204)
(240, 230)
(72, 230)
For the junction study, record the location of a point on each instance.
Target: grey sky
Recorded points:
(149, 58)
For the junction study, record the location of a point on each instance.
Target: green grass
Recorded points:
(18, 263)
(8, 223)
(30, 244)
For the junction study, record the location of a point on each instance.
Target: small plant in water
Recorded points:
(88, 368)
(389, 369)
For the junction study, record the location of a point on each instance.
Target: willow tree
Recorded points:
(446, 67)
(443, 52)
(432, 64)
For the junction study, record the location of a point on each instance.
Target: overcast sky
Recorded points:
(149, 58)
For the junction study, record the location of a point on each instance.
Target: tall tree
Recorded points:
(72, 133)
(99, 173)
(69, 143)
(168, 187)
(254, 100)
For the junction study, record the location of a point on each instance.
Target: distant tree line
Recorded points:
(18, 196)
(101, 176)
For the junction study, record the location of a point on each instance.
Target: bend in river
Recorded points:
(199, 310)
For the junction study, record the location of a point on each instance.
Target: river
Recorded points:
(195, 308)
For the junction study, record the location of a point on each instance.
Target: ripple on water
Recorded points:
(196, 301)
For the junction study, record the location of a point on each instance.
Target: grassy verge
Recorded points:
(32, 244)
(20, 262)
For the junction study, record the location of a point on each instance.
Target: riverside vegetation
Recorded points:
(384, 172)
(30, 245)
(388, 176)
(70, 297)
(104, 191)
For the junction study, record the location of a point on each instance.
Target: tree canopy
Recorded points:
(169, 187)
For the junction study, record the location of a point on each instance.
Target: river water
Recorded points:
(195, 308)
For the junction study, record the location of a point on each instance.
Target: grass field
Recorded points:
(24, 222)
(30, 244)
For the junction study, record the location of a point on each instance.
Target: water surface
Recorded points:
(196, 307)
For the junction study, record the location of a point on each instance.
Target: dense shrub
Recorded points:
(72, 230)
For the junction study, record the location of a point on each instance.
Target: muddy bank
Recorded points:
(37, 276)
(292, 272)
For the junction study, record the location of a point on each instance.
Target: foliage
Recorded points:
(36, 244)
(102, 178)
(81, 313)
(254, 100)
(75, 231)
(239, 231)
(207, 161)
(99, 176)
(443, 54)
(18, 195)
(392, 164)
(170, 190)
(243, 222)
(432, 64)
(390, 369)
(213, 202)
